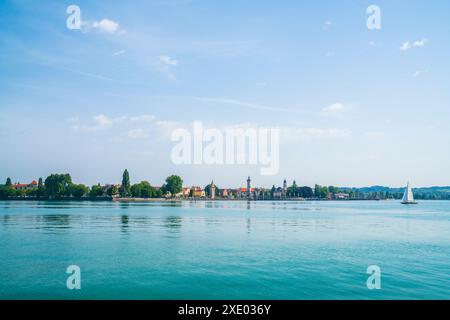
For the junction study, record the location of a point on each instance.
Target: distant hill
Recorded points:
(382, 192)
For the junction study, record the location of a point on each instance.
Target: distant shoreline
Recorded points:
(149, 200)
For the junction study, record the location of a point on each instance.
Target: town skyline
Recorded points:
(288, 180)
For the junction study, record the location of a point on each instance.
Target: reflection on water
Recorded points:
(54, 221)
(173, 223)
(124, 226)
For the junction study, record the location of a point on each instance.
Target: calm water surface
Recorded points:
(225, 250)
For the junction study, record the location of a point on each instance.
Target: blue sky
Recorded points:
(356, 106)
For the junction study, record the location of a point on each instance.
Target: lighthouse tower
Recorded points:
(249, 194)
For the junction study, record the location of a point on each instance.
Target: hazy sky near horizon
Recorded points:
(356, 106)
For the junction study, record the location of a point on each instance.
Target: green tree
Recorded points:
(161, 192)
(147, 191)
(112, 191)
(320, 192)
(78, 190)
(57, 185)
(125, 189)
(292, 190)
(333, 189)
(40, 191)
(305, 192)
(135, 190)
(7, 192)
(143, 190)
(174, 184)
(8, 182)
(96, 191)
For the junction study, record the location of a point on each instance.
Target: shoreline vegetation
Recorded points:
(59, 187)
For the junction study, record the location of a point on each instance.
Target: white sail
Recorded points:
(408, 196)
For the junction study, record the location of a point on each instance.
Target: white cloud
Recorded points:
(118, 53)
(420, 43)
(104, 25)
(333, 109)
(419, 73)
(409, 45)
(406, 46)
(102, 120)
(168, 61)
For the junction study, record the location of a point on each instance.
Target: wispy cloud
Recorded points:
(118, 53)
(142, 118)
(419, 73)
(88, 74)
(374, 134)
(166, 60)
(409, 45)
(139, 133)
(327, 24)
(166, 65)
(245, 104)
(305, 134)
(334, 109)
(103, 122)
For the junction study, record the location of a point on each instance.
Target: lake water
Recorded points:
(225, 250)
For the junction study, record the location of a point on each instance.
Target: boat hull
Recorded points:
(411, 202)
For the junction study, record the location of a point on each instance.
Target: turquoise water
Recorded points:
(225, 250)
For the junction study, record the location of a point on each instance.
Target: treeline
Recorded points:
(61, 186)
(385, 193)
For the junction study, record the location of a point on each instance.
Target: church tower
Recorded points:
(212, 190)
(249, 188)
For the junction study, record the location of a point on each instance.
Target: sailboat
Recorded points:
(408, 197)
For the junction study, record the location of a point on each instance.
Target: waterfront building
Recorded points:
(244, 193)
(185, 192)
(198, 192)
(341, 196)
(27, 186)
(279, 193)
(224, 193)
